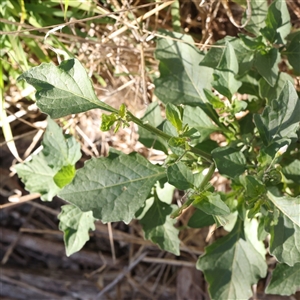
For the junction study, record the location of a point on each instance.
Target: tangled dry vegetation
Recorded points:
(117, 263)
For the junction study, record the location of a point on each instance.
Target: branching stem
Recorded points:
(165, 136)
(201, 188)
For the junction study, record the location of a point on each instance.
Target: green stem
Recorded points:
(165, 136)
(201, 188)
(207, 177)
(148, 127)
(202, 154)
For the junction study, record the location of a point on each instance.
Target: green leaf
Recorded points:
(59, 149)
(278, 22)
(195, 117)
(143, 210)
(262, 234)
(243, 54)
(214, 55)
(228, 60)
(207, 146)
(108, 121)
(159, 227)
(280, 119)
(266, 64)
(251, 232)
(165, 194)
(289, 206)
(64, 176)
(176, 142)
(238, 106)
(229, 162)
(153, 117)
(267, 154)
(250, 86)
(169, 129)
(231, 265)
(200, 219)
(285, 280)
(180, 176)
(173, 115)
(224, 76)
(123, 111)
(285, 240)
(292, 171)
(76, 226)
(259, 11)
(228, 222)
(211, 204)
(113, 188)
(252, 43)
(220, 221)
(246, 125)
(182, 79)
(66, 4)
(270, 93)
(253, 188)
(63, 90)
(214, 100)
(38, 177)
(293, 50)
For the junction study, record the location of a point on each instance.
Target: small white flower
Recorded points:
(282, 150)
